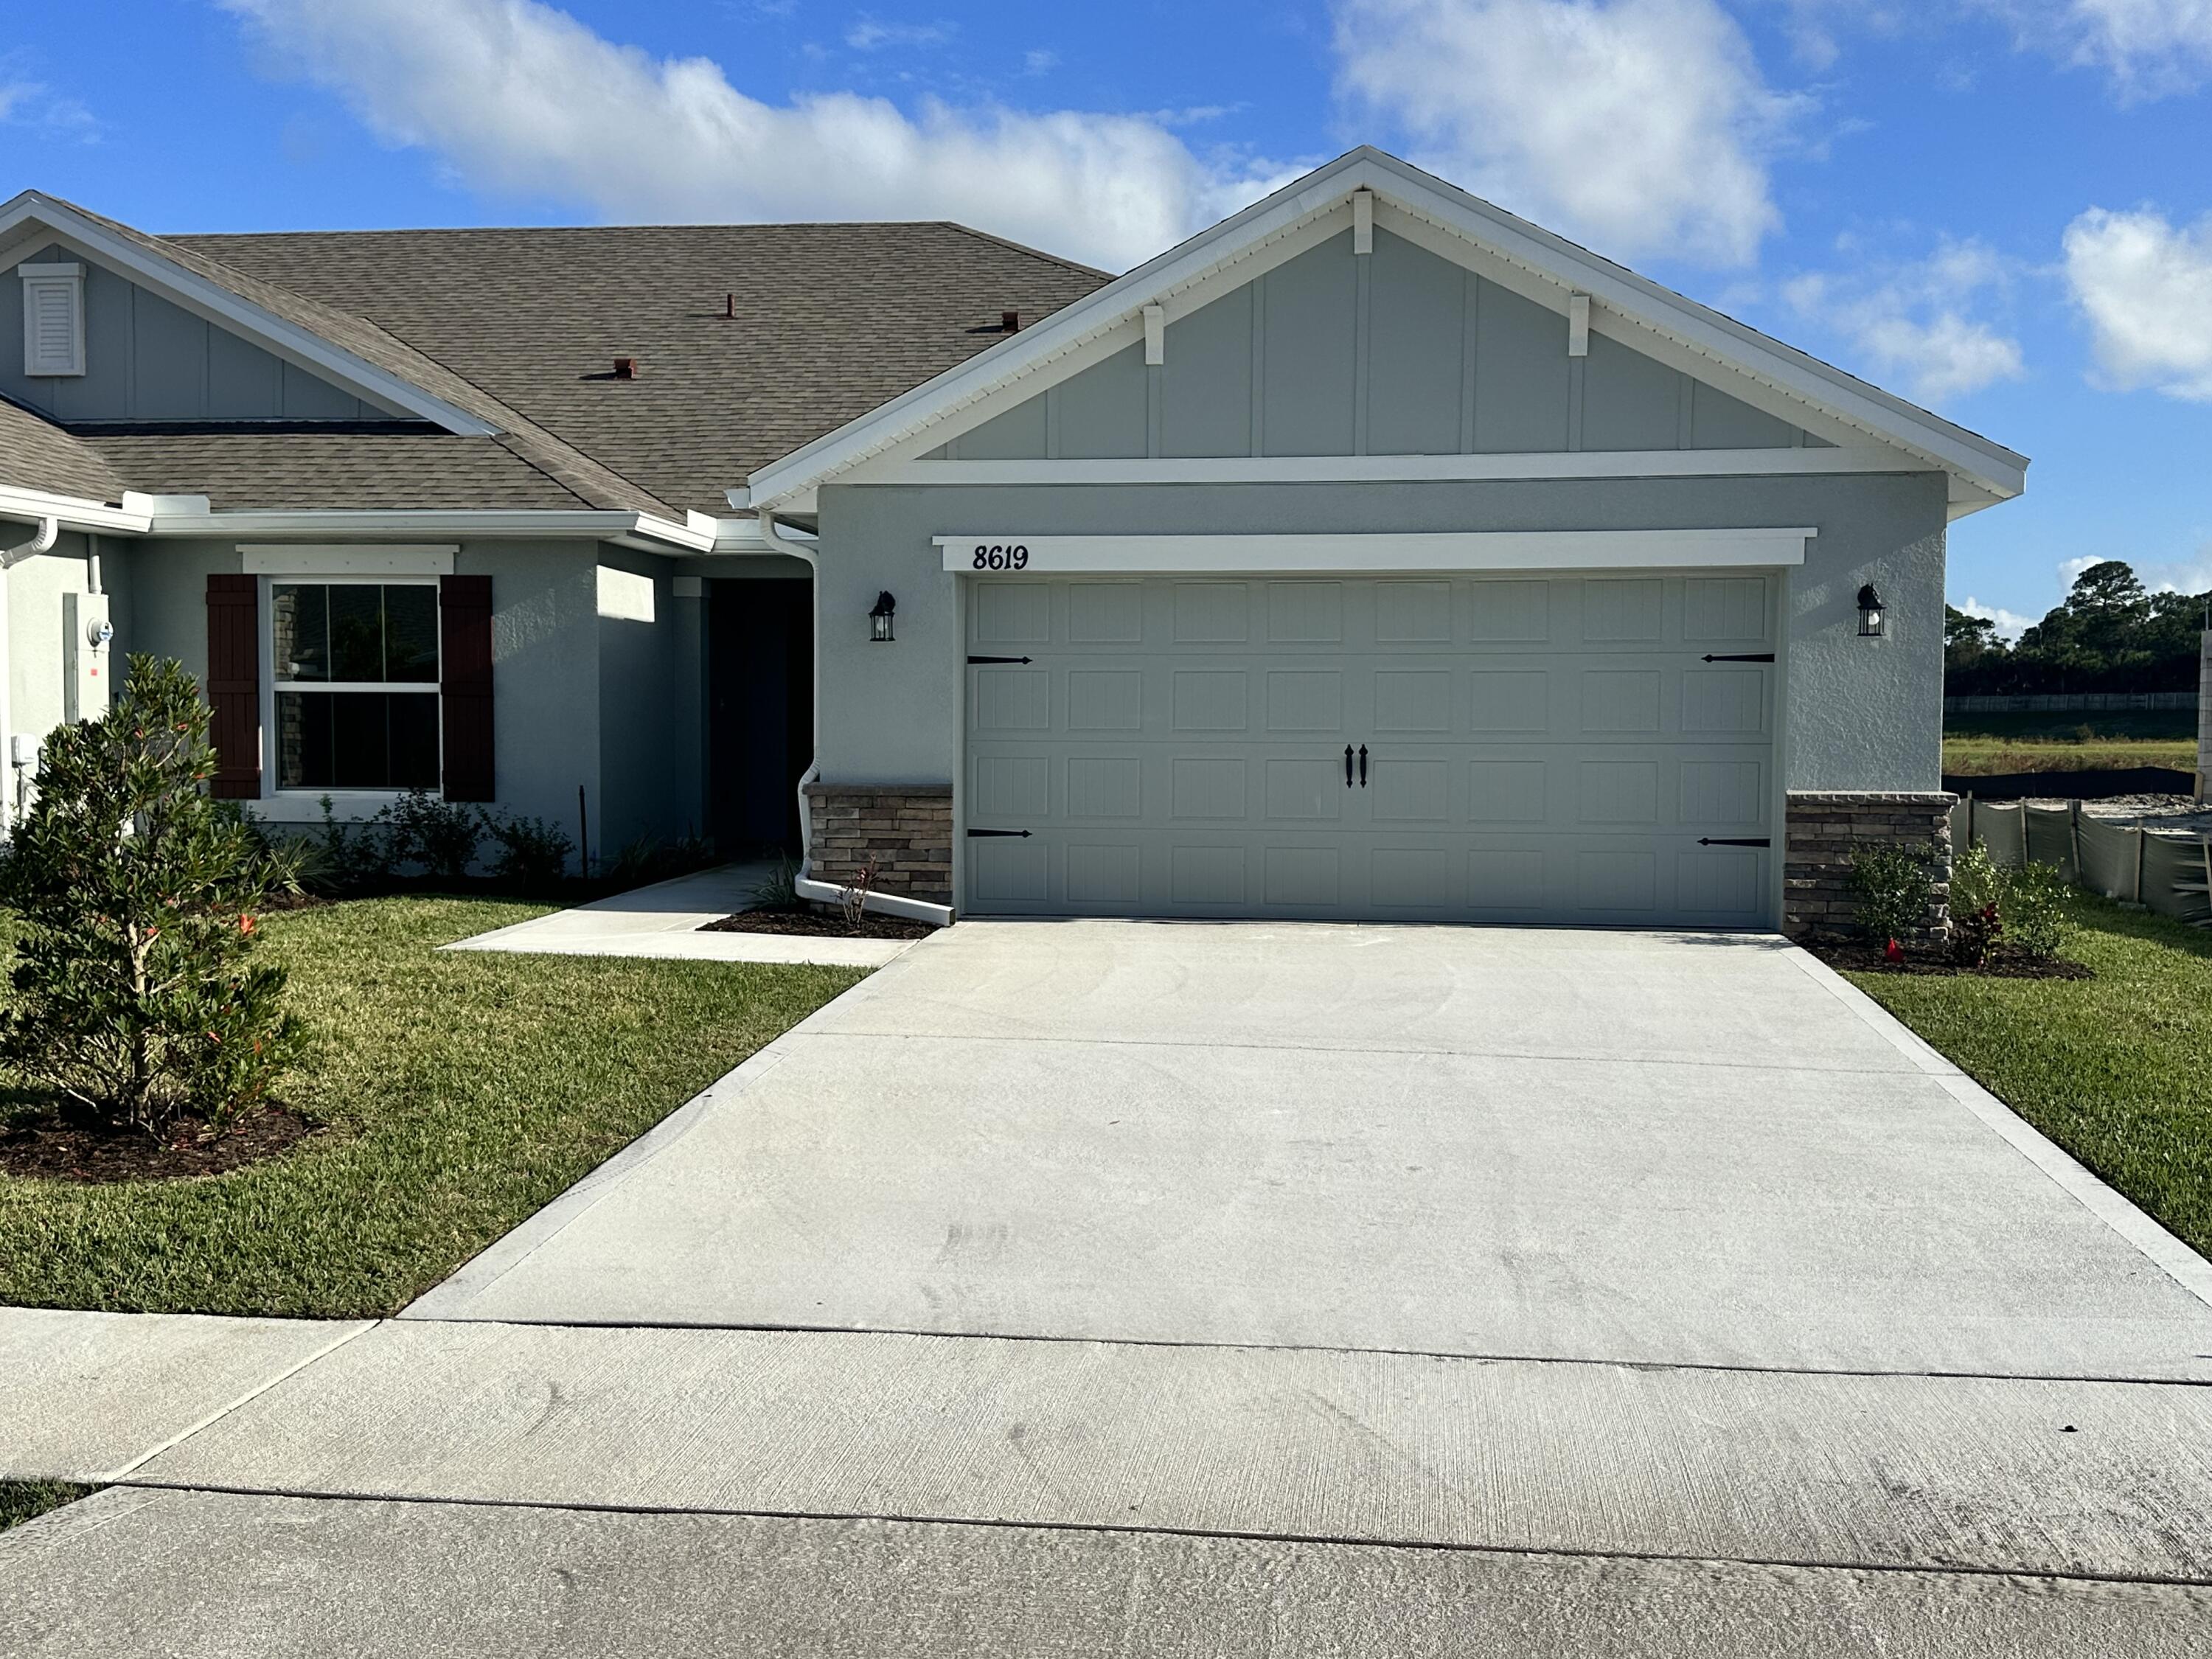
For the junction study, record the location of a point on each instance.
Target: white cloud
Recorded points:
(2150, 48)
(871, 34)
(518, 98)
(2010, 623)
(2146, 287)
(1913, 322)
(1040, 60)
(27, 102)
(1642, 126)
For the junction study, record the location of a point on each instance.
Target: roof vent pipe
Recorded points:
(1010, 322)
(729, 305)
(625, 368)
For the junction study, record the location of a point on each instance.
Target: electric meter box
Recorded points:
(86, 676)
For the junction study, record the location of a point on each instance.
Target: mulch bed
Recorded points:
(48, 1149)
(816, 924)
(1861, 958)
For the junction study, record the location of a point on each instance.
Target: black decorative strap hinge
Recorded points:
(1710, 840)
(978, 835)
(977, 660)
(1741, 656)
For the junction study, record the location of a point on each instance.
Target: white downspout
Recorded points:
(49, 533)
(828, 892)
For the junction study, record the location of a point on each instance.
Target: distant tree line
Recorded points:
(2109, 633)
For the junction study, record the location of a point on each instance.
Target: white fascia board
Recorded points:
(1543, 266)
(1395, 468)
(212, 302)
(1547, 549)
(490, 523)
(74, 511)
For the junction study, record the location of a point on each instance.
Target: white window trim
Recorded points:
(45, 278)
(282, 805)
(383, 561)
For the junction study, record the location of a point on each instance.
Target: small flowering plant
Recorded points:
(137, 995)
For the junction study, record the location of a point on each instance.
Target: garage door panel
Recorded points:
(1211, 613)
(1725, 609)
(1535, 749)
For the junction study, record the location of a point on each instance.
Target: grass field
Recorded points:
(461, 1093)
(2111, 1068)
(2071, 742)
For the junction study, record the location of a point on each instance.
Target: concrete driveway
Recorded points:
(1133, 1289)
(1674, 1149)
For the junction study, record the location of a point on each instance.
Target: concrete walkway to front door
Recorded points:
(1131, 1288)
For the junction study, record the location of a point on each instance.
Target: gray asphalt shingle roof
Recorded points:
(751, 340)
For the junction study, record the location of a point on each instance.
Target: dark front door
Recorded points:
(760, 709)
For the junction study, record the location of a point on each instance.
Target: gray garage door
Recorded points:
(1587, 749)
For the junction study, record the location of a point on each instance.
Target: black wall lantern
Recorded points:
(1870, 613)
(879, 619)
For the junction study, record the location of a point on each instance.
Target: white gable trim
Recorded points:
(1540, 266)
(303, 348)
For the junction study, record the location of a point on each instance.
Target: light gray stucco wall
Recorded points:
(36, 613)
(146, 359)
(1860, 713)
(1398, 352)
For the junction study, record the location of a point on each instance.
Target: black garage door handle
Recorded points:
(978, 835)
(1713, 841)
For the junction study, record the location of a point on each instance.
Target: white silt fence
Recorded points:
(2167, 871)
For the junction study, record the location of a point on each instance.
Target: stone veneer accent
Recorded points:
(907, 826)
(1823, 828)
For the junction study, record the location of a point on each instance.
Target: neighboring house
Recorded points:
(1373, 554)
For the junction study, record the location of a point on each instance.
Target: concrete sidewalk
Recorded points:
(664, 920)
(212, 1575)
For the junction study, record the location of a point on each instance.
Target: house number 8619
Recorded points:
(998, 556)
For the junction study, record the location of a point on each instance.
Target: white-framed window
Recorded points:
(53, 318)
(352, 677)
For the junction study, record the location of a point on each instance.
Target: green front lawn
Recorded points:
(2116, 1069)
(462, 1092)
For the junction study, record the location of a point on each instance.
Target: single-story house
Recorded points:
(1373, 554)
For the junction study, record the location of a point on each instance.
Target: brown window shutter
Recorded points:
(464, 678)
(234, 686)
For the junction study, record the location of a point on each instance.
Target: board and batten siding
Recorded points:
(1399, 352)
(146, 359)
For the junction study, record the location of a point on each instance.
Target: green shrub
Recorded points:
(438, 836)
(135, 996)
(1892, 892)
(531, 854)
(2034, 910)
(1975, 879)
(345, 858)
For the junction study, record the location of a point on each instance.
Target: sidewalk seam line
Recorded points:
(1245, 1534)
(360, 1327)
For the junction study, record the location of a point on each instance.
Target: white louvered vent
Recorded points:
(53, 318)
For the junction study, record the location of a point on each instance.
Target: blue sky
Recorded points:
(2002, 208)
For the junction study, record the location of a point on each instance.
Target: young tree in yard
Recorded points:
(136, 995)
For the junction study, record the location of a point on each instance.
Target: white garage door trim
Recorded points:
(1002, 552)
